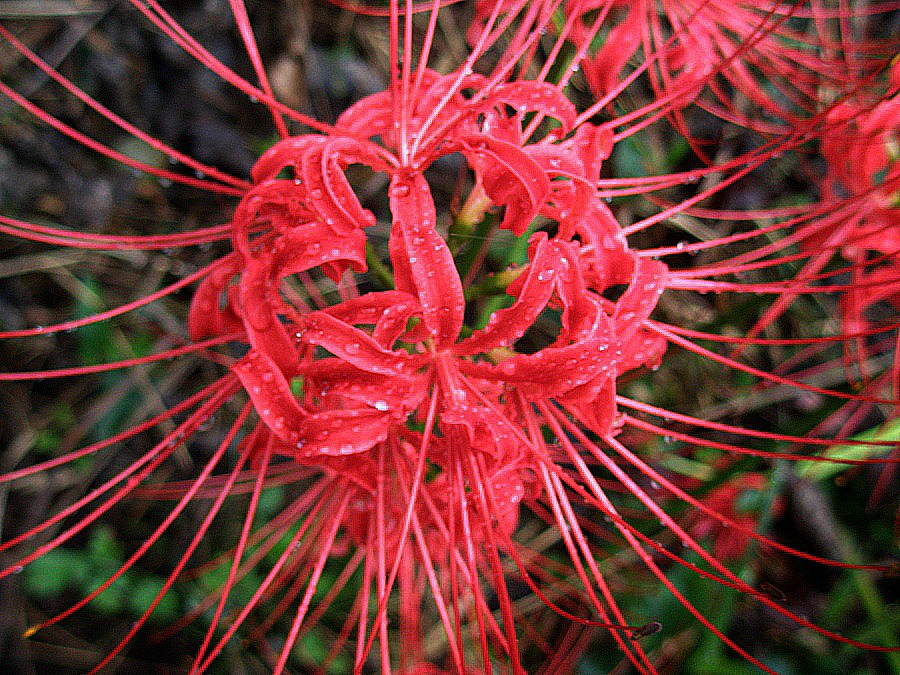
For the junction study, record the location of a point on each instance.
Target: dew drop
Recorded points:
(380, 405)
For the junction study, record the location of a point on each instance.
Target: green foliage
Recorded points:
(79, 571)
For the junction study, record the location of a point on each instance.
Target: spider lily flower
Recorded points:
(425, 422)
(760, 65)
(871, 134)
(726, 499)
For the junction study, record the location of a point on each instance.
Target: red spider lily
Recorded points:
(776, 57)
(871, 136)
(729, 544)
(418, 431)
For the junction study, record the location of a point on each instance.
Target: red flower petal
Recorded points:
(356, 346)
(534, 96)
(343, 385)
(206, 317)
(510, 177)
(423, 265)
(389, 311)
(509, 324)
(299, 249)
(319, 160)
(647, 284)
(341, 432)
(271, 395)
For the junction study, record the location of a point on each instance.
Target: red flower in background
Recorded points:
(730, 544)
(862, 151)
(425, 418)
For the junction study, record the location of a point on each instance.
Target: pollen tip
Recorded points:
(646, 630)
(773, 591)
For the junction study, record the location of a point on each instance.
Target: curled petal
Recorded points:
(207, 317)
(605, 257)
(284, 154)
(355, 346)
(271, 395)
(553, 371)
(346, 386)
(647, 284)
(328, 191)
(389, 311)
(259, 302)
(330, 194)
(592, 145)
(602, 71)
(341, 432)
(509, 324)
(534, 96)
(297, 250)
(594, 404)
(319, 161)
(423, 264)
(510, 177)
(486, 432)
(642, 348)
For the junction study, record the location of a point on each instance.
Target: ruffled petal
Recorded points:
(510, 177)
(422, 262)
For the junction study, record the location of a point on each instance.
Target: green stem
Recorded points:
(377, 269)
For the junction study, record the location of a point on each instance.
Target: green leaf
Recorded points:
(889, 431)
